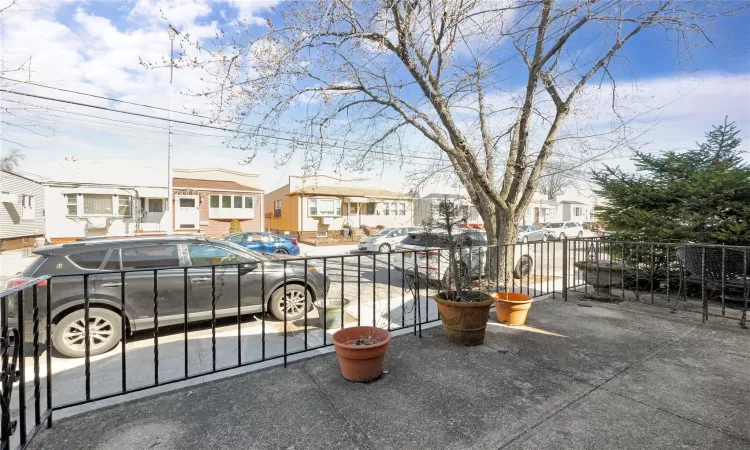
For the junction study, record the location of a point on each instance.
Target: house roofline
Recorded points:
(235, 172)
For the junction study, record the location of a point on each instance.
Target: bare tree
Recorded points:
(12, 160)
(375, 78)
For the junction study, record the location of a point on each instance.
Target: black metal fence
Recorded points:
(220, 317)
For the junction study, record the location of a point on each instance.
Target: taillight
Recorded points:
(294, 241)
(19, 281)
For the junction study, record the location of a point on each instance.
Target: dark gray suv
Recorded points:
(172, 256)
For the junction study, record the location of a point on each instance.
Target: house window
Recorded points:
(353, 208)
(277, 209)
(155, 205)
(72, 202)
(577, 211)
(230, 207)
(324, 207)
(387, 211)
(124, 206)
(27, 203)
(371, 208)
(97, 205)
(402, 209)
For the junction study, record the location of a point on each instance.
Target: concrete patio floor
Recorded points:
(580, 376)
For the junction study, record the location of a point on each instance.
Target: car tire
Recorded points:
(296, 310)
(580, 234)
(104, 333)
(281, 251)
(384, 248)
(524, 267)
(544, 238)
(525, 240)
(562, 236)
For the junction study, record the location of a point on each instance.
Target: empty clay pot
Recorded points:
(512, 308)
(361, 362)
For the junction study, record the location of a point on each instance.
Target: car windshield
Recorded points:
(382, 232)
(554, 225)
(523, 228)
(244, 250)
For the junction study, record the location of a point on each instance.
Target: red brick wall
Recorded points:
(220, 227)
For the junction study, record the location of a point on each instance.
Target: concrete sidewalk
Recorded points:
(579, 376)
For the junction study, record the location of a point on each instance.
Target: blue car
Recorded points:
(265, 242)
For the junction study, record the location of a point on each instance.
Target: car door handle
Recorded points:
(199, 280)
(112, 284)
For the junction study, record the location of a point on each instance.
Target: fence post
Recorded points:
(565, 269)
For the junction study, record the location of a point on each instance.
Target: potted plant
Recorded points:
(464, 312)
(331, 311)
(512, 308)
(361, 351)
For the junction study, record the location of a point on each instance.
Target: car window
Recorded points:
(554, 225)
(267, 237)
(89, 260)
(113, 261)
(149, 257)
(235, 237)
(478, 239)
(207, 254)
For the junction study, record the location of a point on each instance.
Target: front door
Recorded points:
(187, 215)
(353, 214)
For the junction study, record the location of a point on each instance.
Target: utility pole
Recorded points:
(170, 200)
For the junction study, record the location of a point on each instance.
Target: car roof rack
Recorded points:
(104, 239)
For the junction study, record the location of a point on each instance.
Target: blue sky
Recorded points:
(94, 46)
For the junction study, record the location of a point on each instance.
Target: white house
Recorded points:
(105, 198)
(21, 211)
(572, 205)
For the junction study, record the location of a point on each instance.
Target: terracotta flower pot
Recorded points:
(361, 362)
(512, 308)
(464, 322)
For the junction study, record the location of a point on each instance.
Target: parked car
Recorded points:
(260, 288)
(264, 242)
(528, 233)
(563, 230)
(473, 255)
(384, 240)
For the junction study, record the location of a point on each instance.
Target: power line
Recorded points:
(295, 141)
(257, 127)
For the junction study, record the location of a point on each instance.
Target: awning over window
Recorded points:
(358, 199)
(98, 190)
(152, 192)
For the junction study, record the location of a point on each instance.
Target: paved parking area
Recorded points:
(579, 376)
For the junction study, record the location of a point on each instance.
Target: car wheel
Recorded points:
(580, 234)
(544, 238)
(525, 240)
(385, 248)
(281, 251)
(562, 236)
(523, 267)
(294, 304)
(70, 333)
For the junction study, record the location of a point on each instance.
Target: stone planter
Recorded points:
(598, 273)
(331, 312)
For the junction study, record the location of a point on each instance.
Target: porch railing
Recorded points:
(389, 290)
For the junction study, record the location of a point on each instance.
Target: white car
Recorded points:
(528, 233)
(384, 240)
(433, 262)
(563, 230)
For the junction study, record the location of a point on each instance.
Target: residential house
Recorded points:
(425, 208)
(320, 206)
(22, 210)
(206, 201)
(105, 198)
(571, 205)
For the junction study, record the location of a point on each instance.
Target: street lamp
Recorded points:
(170, 211)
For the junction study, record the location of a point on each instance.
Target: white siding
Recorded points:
(12, 223)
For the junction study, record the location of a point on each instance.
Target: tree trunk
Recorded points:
(502, 230)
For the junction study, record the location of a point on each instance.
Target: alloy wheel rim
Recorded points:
(295, 302)
(101, 331)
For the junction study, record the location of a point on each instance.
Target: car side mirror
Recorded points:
(248, 267)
